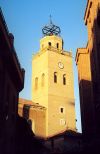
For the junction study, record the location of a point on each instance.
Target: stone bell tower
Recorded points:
(52, 81)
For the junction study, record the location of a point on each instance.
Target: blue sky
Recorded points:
(26, 18)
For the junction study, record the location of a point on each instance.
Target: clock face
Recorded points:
(61, 65)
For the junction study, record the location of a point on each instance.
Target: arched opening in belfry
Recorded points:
(55, 77)
(64, 79)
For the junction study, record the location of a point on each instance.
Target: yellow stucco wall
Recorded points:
(60, 95)
(40, 66)
(37, 115)
(83, 64)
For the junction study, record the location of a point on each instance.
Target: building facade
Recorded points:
(88, 64)
(35, 115)
(11, 83)
(52, 82)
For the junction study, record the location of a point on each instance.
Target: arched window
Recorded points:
(64, 79)
(49, 43)
(36, 82)
(57, 45)
(62, 109)
(43, 80)
(55, 77)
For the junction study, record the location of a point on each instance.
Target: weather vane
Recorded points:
(50, 19)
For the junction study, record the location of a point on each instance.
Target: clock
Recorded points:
(61, 65)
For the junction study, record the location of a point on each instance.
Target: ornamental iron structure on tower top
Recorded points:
(51, 29)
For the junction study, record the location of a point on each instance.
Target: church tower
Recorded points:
(52, 82)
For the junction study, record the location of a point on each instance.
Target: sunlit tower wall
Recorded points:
(52, 82)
